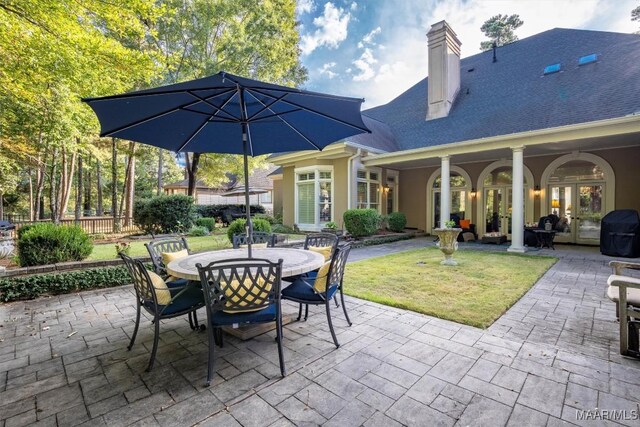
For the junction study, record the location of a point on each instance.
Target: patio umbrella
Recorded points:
(225, 113)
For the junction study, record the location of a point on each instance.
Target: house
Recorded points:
(259, 181)
(549, 123)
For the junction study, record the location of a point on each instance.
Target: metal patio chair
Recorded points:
(259, 238)
(625, 291)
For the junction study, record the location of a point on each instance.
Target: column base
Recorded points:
(516, 249)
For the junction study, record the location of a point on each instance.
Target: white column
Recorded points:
(445, 191)
(517, 202)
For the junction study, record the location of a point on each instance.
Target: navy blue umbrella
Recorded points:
(224, 113)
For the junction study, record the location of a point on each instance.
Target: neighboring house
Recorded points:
(552, 124)
(206, 195)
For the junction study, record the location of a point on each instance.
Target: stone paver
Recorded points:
(550, 356)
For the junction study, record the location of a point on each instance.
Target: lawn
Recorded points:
(196, 244)
(475, 292)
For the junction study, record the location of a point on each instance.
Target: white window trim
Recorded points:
(317, 225)
(369, 181)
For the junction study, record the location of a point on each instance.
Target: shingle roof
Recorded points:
(512, 95)
(258, 178)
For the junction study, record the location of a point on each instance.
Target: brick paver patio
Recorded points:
(63, 361)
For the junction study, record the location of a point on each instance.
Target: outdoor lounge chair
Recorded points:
(259, 238)
(161, 299)
(625, 291)
(161, 250)
(239, 292)
(318, 289)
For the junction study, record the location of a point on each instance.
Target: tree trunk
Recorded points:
(31, 215)
(130, 184)
(66, 180)
(192, 173)
(40, 176)
(86, 206)
(114, 186)
(79, 191)
(53, 188)
(99, 207)
(1, 205)
(160, 168)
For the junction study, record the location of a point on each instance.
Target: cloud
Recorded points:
(305, 6)
(331, 29)
(326, 69)
(365, 65)
(354, 6)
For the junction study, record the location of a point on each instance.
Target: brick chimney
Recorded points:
(444, 70)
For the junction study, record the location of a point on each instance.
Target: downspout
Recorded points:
(349, 173)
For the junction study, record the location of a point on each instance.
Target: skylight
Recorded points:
(553, 68)
(587, 59)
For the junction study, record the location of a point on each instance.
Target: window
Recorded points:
(553, 68)
(458, 196)
(368, 189)
(587, 59)
(314, 197)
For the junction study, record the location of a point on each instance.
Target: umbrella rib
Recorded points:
(193, 135)
(218, 109)
(294, 104)
(266, 107)
(153, 117)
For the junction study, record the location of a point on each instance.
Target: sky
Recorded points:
(377, 49)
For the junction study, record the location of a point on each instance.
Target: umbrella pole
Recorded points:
(246, 189)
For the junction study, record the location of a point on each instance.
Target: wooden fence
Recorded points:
(92, 225)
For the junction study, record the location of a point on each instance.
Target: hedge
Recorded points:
(164, 214)
(361, 222)
(238, 227)
(210, 223)
(48, 243)
(397, 221)
(216, 211)
(12, 289)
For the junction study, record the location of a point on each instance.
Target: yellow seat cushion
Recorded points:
(325, 251)
(167, 257)
(163, 295)
(237, 294)
(320, 284)
(256, 246)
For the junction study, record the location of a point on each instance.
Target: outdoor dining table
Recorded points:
(294, 262)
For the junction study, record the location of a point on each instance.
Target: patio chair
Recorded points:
(319, 289)
(162, 252)
(239, 292)
(625, 291)
(163, 300)
(260, 239)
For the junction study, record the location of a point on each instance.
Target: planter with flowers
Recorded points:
(448, 241)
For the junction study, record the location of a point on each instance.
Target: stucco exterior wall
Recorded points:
(413, 196)
(288, 195)
(277, 196)
(340, 192)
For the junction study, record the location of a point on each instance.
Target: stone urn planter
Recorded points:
(448, 243)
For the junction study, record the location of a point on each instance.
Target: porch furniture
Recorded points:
(466, 226)
(267, 240)
(163, 248)
(545, 238)
(625, 291)
(238, 292)
(620, 233)
(163, 300)
(498, 240)
(320, 288)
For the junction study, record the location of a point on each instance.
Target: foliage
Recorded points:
(48, 243)
(271, 220)
(380, 240)
(198, 231)
(281, 229)
(397, 221)
(123, 248)
(476, 292)
(331, 225)
(164, 214)
(30, 287)
(238, 227)
(210, 223)
(500, 29)
(450, 224)
(361, 222)
(217, 211)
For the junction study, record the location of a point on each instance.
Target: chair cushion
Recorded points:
(163, 295)
(465, 223)
(237, 293)
(256, 246)
(302, 290)
(221, 318)
(325, 251)
(192, 297)
(320, 280)
(167, 257)
(613, 293)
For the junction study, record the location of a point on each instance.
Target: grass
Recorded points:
(196, 244)
(475, 292)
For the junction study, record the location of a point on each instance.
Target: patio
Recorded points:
(63, 361)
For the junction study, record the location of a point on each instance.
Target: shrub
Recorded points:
(164, 214)
(216, 211)
(238, 227)
(361, 222)
(59, 283)
(23, 229)
(208, 222)
(271, 220)
(197, 231)
(397, 221)
(281, 229)
(48, 243)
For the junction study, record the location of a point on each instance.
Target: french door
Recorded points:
(497, 210)
(580, 208)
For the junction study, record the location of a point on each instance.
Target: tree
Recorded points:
(500, 29)
(635, 15)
